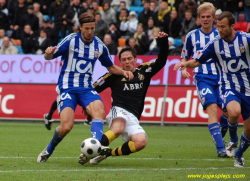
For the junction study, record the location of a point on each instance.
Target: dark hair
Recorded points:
(105, 2)
(86, 18)
(44, 30)
(127, 49)
(228, 15)
(98, 14)
(123, 2)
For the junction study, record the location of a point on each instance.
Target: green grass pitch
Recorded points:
(172, 153)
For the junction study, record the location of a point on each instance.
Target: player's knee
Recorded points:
(234, 114)
(66, 129)
(141, 144)
(118, 131)
(100, 113)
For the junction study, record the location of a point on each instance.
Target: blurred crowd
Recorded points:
(30, 26)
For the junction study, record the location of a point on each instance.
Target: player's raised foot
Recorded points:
(105, 150)
(43, 156)
(83, 159)
(222, 154)
(47, 122)
(231, 149)
(98, 159)
(238, 161)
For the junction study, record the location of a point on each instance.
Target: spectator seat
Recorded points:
(16, 42)
(137, 3)
(122, 42)
(20, 50)
(137, 9)
(177, 42)
(241, 26)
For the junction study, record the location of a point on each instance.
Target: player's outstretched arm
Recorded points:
(189, 64)
(117, 70)
(49, 52)
(162, 41)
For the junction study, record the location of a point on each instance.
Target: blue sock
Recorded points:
(97, 129)
(216, 135)
(223, 125)
(54, 142)
(244, 144)
(233, 132)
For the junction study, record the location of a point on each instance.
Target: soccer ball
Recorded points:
(91, 147)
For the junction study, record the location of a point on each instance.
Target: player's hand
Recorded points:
(128, 74)
(180, 66)
(50, 50)
(185, 74)
(161, 35)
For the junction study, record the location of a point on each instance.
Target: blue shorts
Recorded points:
(243, 100)
(82, 97)
(209, 93)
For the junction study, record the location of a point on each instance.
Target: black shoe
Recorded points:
(222, 154)
(238, 161)
(47, 122)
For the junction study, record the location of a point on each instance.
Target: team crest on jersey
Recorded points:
(242, 48)
(140, 76)
(184, 52)
(96, 53)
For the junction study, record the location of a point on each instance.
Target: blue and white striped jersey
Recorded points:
(233, 60)
(78, 60)
(195, 41)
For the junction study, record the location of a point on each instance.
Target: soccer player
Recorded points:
(128, 101)
(206, 76)
(231, 52)
(79, 53)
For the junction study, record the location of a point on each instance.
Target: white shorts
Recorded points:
(132, 123)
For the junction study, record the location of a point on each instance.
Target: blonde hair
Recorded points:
(205, 7)
(154, 29)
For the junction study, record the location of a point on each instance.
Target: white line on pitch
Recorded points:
(123, 169)
(225, 159)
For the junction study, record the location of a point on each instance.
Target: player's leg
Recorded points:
(67, 122)
(214, 129)
(116, 129)
(244, 144)
(223, 124)
(92, 103)
(234, 110)
(96, 110)
(245, 137)
(137, 143)
(48, 117)
(209, 97)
